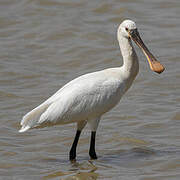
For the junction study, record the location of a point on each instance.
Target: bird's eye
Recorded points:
(126, 29)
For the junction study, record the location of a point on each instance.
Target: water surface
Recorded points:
(46, 43)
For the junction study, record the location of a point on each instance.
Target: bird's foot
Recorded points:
(93, 155)
(72, 156)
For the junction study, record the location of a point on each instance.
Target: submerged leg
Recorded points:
(93, 125)
(92, 151)
(72, 153)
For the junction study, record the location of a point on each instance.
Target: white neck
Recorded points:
(130, 60)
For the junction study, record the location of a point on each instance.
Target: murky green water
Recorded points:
(46, 43)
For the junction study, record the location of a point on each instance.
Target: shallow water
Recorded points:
(44, 44)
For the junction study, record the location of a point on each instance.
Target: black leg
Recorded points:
(72, 154)
(92, 151)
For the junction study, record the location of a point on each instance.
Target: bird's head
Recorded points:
(128, 30)
(126, 27)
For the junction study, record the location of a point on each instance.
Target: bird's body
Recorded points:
(86, 98)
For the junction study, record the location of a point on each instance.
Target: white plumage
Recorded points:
(86, 98)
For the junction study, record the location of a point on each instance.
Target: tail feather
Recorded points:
(24, 128)
(31, 119)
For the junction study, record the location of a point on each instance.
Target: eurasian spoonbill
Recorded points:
(86, 98)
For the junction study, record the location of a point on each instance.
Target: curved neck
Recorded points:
(130, 59)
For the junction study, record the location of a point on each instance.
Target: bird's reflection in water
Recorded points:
(78, 171)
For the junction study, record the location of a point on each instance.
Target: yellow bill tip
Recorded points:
(156, 66)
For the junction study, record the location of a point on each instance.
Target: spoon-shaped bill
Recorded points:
(155, 65)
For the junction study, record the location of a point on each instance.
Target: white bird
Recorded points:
(86, 98)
